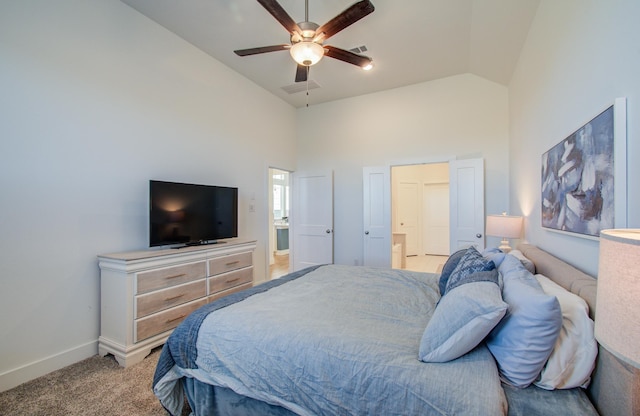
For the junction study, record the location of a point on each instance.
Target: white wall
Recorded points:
(97, 100)
(462, 116)
(579, 56)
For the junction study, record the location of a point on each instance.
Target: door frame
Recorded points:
(420, 226)
(388, 167)
(451, 161)
(269, 222)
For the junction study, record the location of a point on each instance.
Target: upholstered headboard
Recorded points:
(615, 385)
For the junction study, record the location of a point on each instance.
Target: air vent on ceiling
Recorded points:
(359, 49)
(300, 87)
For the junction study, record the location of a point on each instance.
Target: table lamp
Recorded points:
(504, 226)
(617, 327)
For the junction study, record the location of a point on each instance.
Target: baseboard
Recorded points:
(13, 378)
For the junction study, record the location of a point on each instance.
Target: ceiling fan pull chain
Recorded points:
(307, 83)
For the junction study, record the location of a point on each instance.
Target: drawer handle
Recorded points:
(173, 298)
(168, 321)
(231, 263)
(175, 275)
(232, 280)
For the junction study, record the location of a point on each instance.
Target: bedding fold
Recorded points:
(180, 348)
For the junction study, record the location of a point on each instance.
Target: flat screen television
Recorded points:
(190, 214)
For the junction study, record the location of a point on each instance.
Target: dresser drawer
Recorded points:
(170, 276)
(218, 295)
(232, 262)
(166, 298)
(164, 321)
(228, 280)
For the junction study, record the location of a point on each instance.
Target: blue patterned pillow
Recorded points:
(448, 268)
(468, 268)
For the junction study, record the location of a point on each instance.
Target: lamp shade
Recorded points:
(307, 53)
(617, 325)
(505, 226)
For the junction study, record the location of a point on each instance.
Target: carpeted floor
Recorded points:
(95, 386)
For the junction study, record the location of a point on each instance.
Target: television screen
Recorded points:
(189, 214)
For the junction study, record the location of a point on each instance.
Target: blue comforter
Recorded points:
(338, 340)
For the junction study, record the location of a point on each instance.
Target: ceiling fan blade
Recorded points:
(348, 17)
(347, 56)
(262, 49)
(301, 73)
(280, 15)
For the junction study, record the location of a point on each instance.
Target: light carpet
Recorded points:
(95, 386)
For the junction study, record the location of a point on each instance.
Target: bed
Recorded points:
(338, 340)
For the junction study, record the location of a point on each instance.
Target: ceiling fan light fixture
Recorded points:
(307, 53)
(368, 67)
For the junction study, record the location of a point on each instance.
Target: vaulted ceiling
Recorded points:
(410, 41)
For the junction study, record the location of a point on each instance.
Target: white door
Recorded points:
(312, 220)
(408, 215)
(436, 219)
(377, 216)
(466, 184)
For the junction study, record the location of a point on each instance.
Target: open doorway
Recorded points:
(279, 203)
(420, 216)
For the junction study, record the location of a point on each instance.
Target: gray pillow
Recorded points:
(528, 264)
(462, 319)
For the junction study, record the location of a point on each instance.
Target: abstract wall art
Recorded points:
(580, 178)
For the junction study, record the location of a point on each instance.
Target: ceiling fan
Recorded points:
(307, 37)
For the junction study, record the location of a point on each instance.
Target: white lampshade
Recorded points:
(617, 325)
(307, 53)
(504, 226)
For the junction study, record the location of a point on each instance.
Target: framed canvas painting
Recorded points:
(584, 177)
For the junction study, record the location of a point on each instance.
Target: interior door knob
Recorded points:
(366, 232)
(328, 231)
(478, 235)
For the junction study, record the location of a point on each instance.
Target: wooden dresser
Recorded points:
(146, 294)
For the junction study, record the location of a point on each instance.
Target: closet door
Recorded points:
(377, 216)
(466, 186)
(408, 215)
(435, 207)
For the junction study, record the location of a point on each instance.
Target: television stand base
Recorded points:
(199, 243)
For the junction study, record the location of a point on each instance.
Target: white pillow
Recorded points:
(574, 355)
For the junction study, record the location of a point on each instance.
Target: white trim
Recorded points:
(620, 162)
(15, 377)
(570, 233)
(269, 252)
(426, 160)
